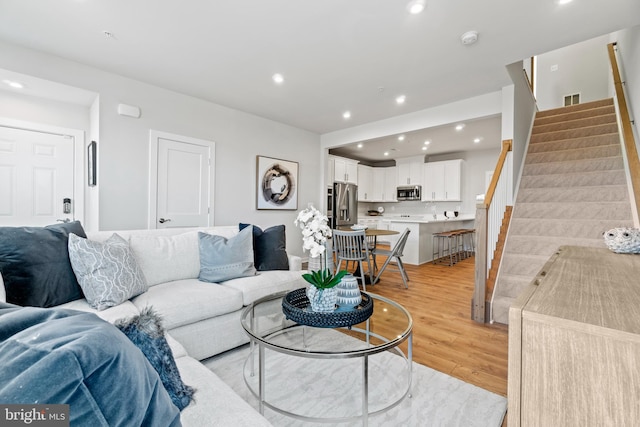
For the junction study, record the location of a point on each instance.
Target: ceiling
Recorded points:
(441, 139)
(335, 55)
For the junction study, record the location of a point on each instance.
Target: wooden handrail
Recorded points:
(627, 130)
(506, 147)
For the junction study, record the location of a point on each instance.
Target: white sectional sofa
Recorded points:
(201, 319)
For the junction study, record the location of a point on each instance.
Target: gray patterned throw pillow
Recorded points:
(107, 271)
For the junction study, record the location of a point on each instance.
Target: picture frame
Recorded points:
(92, 155)
(276, 184)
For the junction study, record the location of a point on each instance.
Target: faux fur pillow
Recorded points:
(146, 332)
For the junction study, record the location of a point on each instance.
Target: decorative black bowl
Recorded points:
(296, 307)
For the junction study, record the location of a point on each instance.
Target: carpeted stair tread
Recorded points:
(575, 143)
(577, 154)
(585, 229)
(575, 133)
(575, 211)
(546, 245)
(575, 179)
(500, 306)
(522, 265)
(572, 166)
(591, 112)
(597, 193)
(574, 108)
(575, 123)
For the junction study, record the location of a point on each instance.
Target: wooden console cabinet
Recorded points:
(574, 342)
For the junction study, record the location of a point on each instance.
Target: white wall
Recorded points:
(123, 144)
(581, 68)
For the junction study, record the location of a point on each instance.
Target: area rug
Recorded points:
(333, 388)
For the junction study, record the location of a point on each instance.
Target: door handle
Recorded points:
(162, 220)
(66, 220)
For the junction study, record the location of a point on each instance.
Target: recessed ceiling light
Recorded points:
(386, 153)
(424, 148)
(13, 84)
(360, 145)
(401, 138)
(346, 115)
(400, 99)
(477, 140)
(459, 127)
(278, 78)
(561, 2)
(415, 7)
(427, 142)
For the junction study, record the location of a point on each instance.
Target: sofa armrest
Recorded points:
(295, 263)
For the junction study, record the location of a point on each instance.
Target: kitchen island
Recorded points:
(419, 247)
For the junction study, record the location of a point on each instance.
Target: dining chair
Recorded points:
(394, 257)
(371, 243)
(351, 246)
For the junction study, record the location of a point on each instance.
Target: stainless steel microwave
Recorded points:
(409, 192)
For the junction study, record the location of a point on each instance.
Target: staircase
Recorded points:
(573, 188)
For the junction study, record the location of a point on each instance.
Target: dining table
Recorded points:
(375, 232)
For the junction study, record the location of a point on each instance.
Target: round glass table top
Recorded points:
(389, 325)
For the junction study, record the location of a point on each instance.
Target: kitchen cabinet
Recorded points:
(441, 181)
(574, 342)
(345, 170)
(383, 184)
(365, 184)
(409, 170)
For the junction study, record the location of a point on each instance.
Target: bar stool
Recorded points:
(445, 243)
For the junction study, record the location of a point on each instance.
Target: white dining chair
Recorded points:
(351, 246)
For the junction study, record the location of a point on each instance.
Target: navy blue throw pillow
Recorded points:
(269, 248)
(35, 266)
(146, 332)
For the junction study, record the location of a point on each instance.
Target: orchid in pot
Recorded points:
(322, 293)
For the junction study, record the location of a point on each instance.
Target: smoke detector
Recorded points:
(470, 37)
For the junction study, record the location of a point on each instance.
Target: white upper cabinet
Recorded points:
(409, 170)
(345, 170)
(365, 181)
(383, 184)
(442, 181)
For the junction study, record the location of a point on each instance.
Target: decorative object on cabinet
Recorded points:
(277, 184)
(623, 240)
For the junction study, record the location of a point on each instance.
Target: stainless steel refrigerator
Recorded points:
(345, 204)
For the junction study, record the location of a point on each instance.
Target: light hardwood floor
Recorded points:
(444, 336)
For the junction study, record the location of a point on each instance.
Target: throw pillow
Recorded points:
(146, 332)
(167, 258)
(225, 259)
(107, 271)
(269, 248)
(35, 267)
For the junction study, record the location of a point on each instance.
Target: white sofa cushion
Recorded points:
(167, 258)
(111, 314)
(266, 283)
(187, 301)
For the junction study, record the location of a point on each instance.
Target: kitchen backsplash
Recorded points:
(413, 208)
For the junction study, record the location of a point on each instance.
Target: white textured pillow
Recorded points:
(225, 259)
(167, 258)
(106, 271)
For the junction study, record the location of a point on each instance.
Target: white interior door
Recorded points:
(36, 175)
(184, 183)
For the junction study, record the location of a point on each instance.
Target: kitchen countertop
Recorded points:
(421, 219)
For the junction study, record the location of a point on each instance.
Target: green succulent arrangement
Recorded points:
(323, 279)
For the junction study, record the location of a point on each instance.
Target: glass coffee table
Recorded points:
(328, 375)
